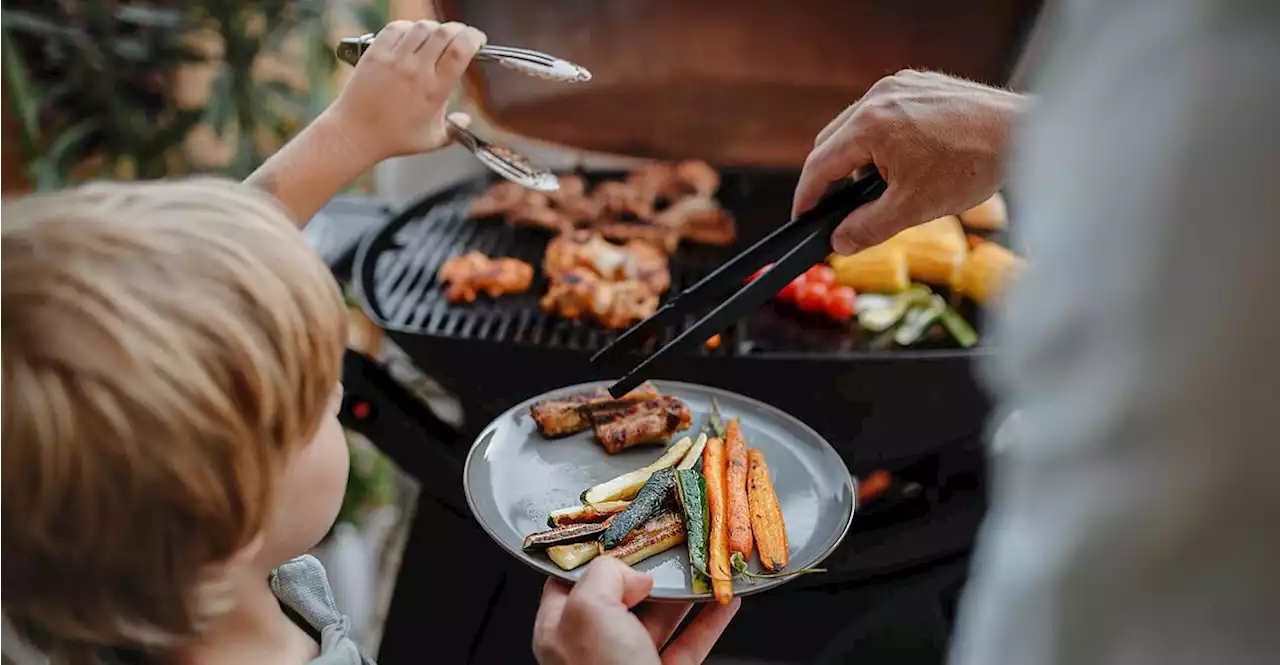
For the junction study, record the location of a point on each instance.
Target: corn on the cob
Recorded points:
(987, 272)
(990, 215)
(879, 269)
(935, 250)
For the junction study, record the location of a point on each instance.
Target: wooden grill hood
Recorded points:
(729, 81)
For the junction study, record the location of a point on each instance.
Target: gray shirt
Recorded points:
(301, 586)
(1136, 514)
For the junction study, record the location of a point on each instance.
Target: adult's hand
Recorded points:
(592, 623)
(938, 142)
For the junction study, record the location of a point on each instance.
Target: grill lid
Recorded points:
(732, 82)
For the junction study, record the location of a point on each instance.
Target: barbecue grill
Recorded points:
(893, 405)
(746, 87)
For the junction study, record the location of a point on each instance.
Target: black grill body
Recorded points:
(889, 406)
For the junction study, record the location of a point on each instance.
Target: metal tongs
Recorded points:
(503, 161)
(801, 243)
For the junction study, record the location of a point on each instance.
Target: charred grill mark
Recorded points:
(573, 413)
(650, 420)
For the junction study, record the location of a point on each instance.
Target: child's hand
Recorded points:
(395, 102)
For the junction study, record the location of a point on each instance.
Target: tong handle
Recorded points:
(820, 221)
(350, 49)
(812, 247)
(841, 198)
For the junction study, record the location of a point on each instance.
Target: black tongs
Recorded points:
(800, 243)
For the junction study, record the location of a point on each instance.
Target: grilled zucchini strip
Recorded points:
(569, 557)
(655, 537)
(646, 504)
(597, 512)
(628, 484)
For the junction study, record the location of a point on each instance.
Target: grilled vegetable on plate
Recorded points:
(767, 525)
(655, 492)
(656, 536)
(628, 484)
(564, 535)
(691, 492)
(694, 456)
(569, 557)
(658, 511)
(713, 467)
(591, 512)
(735, 491)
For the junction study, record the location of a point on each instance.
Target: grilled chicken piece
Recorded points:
(553, 211)
(500, 199)
(614, 305)
(664, 238)
(700, 220)
(573, 200)
(566, 415)
(648, 265)
(541, 216)
(572, 187)
(649, 181)
(637, 260)
(472, 272)
(623, 200)
(690, 178)
(672, 182)
(652, 420)
(622, 211)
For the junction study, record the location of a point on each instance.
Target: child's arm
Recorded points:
(393, 105)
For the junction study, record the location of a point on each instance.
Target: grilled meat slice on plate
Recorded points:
(568, 414)
(652, 420)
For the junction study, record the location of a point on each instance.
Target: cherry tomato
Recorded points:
(811, 296)
(788, 292)
(821, 274)
(874, 484)
(759, 272)
(841, 303)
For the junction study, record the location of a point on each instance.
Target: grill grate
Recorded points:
(411, 299)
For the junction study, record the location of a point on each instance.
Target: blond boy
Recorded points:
(171, 363)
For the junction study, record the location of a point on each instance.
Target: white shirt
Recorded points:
(1136, 516)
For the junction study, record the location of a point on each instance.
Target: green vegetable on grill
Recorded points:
(960, 329)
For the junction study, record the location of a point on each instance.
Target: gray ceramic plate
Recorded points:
(514, 477)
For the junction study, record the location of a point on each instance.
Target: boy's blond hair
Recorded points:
(166, 347)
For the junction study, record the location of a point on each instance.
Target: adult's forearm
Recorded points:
(313, 167)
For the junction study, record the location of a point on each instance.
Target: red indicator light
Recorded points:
(361, 410)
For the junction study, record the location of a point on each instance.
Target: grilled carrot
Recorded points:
(766, 515)
(735, 491)
(718, 547)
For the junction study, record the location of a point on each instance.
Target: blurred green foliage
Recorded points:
(91, 82)
(91, 86)
(371, 484)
